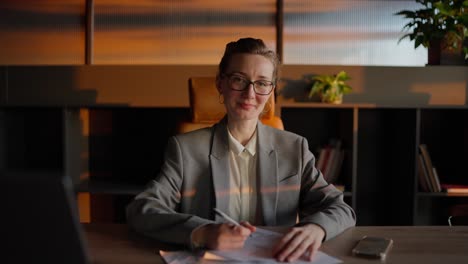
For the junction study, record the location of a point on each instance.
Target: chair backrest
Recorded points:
(206, 109)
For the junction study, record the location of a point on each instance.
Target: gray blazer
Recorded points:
(195, 178)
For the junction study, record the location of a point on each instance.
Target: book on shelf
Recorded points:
(429, 168)
(436, 178)
(335, 169)
(330, 163)
(423, 176)
(455, 189)
(323, 158)
(330, 160)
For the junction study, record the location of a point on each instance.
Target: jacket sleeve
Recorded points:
(322, 203)
(154, 212)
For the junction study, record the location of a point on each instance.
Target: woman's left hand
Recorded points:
(299, 240)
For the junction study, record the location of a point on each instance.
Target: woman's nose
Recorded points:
(249, 90)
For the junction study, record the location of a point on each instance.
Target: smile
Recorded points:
(246, 105)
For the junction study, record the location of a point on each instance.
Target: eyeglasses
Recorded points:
(240, 83)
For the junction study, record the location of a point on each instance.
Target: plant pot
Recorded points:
(452, 57)
(438, 55)
(332, 99)
(433, 52)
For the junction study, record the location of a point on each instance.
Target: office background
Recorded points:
(84, 85)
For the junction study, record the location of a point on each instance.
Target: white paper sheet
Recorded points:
(257, 249)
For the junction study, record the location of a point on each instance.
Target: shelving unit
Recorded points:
(126, 149)
(112, 152)
(380, 169)
(109, 152)
(319, 126)
(445, 132)
(31, 138)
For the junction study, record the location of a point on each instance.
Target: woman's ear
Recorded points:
(218, 84)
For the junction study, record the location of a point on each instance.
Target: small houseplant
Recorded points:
(439, 25)
(330, 88)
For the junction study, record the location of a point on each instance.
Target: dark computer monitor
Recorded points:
(39, 219)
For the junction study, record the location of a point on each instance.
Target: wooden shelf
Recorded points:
(381, 147)
(440, 194)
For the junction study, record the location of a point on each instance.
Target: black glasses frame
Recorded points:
(248, 83)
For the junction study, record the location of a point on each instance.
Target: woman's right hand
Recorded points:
(225, 236)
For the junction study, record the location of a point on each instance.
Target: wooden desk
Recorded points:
(411, 244)
(114, 243)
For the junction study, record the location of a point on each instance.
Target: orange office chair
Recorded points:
(206, 109)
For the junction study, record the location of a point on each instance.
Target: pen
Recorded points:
(225, 216)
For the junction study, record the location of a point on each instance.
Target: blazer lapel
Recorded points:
(267, 185)
(219, 159)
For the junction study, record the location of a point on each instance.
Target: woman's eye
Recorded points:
(239, 79)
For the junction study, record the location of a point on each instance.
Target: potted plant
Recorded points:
(330, 88)
(441, 25)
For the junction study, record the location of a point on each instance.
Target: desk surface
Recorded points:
(114, 243)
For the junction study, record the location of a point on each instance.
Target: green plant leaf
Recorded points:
(342, 76)
(445, 20)
(330, 87)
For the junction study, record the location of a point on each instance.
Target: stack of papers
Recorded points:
(257, 248)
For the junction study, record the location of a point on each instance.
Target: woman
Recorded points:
(258, 175)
